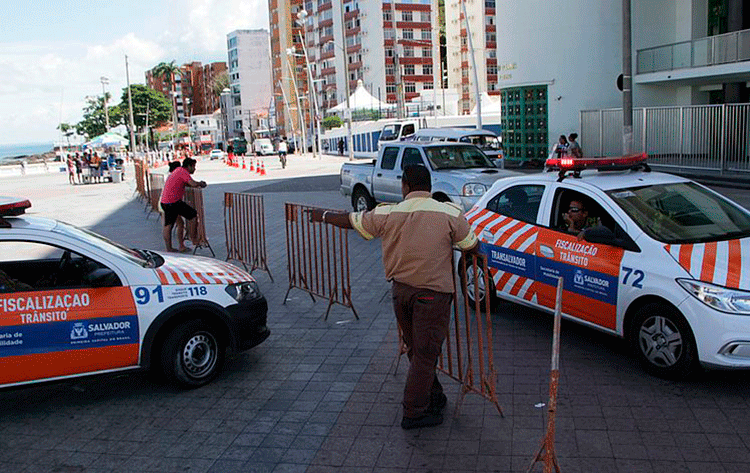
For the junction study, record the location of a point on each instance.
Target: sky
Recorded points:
(53, 52)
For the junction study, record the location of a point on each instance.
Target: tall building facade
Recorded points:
(194, 94)
(249, 61)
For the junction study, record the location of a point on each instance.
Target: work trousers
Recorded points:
(423, 316)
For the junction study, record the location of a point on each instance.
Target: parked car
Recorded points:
(74, 303)
(217, 154)
(661, 264)
(461, 173)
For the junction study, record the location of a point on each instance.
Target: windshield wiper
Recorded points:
(148, 256)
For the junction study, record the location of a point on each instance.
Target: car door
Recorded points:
(507, 228)
(590, 271)
(386, 180)
(61, 314)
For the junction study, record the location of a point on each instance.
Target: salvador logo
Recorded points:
(578, 277)
(79, 332)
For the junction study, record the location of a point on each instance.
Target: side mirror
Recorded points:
(604, 236)
(102, 277)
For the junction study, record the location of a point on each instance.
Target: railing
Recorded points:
(710, 51)
(245, 230)
(699, 137)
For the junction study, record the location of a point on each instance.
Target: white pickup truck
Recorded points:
(460, 173)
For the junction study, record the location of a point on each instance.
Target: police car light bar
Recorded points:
(12, 206)
(602, 164)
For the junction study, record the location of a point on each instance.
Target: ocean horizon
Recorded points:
(20, 149)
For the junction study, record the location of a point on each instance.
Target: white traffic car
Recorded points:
(661, 264)
(74, 303)
(217, 154)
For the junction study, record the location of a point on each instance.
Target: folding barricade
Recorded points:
(317, 258)
(467, 354)
(245, 230)
(140, 185)
(194, 198)
(155, 188)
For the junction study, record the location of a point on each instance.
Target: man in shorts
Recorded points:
(173, 205)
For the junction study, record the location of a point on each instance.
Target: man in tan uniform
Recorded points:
(418, 235)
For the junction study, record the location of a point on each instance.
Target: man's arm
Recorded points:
(337, 219)
(193, 183)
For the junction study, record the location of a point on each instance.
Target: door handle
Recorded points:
(398, 177)
(380, 175)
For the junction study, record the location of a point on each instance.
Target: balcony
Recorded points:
(723, 57)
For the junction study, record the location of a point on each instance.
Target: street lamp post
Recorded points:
(104, 82)
(300, 112)
(301, 15)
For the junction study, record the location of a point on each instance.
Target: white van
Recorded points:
(485, 140)
(263, 147)
(398, 131)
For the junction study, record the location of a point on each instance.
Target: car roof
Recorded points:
(606, 180)
(427, 144)
(26, 222)
(452, 132)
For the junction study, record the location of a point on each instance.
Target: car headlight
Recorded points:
(244, 291)
(718, 297)
(474, 189)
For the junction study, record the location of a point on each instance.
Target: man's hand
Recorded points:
(316, 215)
(203, 184)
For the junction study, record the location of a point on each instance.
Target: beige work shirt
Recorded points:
(418, 235)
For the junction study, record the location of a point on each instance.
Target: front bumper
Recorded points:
(722, 340)
(248, 320)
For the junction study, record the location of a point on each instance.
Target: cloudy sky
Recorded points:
(53, 52)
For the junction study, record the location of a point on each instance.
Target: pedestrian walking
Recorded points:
(560, 148)
(574, 149)
(418, 235)
(174, 206)
(341, 146)
(71, 169)
(282, 152)
(79, 167)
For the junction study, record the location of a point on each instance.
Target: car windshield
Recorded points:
(390, 132)
(456, 157)
(683, 213)
(483, 141)
(102, 243)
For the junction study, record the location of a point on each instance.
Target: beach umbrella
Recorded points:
(107, 139)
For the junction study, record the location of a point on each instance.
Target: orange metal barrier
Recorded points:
(467, 354)
(194, 198)
(317, 258)
(140, 180)
(155, 187)
(245, 230)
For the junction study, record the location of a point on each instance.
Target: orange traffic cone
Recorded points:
(257, 166)
(263, 169)
(243, 163)
(252, 164)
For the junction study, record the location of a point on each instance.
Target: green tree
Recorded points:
(148, 100)
(333, 121)
(67, 130)
(219, 83)
(94, 123)
(167, 71)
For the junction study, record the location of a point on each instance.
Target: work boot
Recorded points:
(426, 420)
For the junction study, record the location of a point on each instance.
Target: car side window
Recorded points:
(411, 156)
(407, 130)
(572, 206)
(519, 202)
(389, 158)
(33, 266)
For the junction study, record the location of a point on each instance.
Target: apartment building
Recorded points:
(193, 88)
(250, 81)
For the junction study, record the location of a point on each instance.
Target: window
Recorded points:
(390, 69)
(388, 33)
(411, 156)
(388, 52)
(426, 52)
(428, 86)
(389, 158)
(407, 16)
(410, 88)
(390, 89)
(492, 69)
(489, 3)
(426, 34)
(427, 69)
(519, 202)
(425, 17)
(387, 15)
(408, 130)
(490, 37)
(408, 33)
(409, 69)
(408, 51)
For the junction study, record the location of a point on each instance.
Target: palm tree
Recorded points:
(167, 71)
(219, 83)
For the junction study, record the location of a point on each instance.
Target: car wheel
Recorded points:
(473, 283)
(192, 354)
(663, 341)
(361, 200)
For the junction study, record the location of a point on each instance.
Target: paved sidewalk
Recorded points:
(321, 396)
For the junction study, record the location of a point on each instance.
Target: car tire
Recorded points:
(467, 284)
(361, 200)
(192, 354)
(663, 341)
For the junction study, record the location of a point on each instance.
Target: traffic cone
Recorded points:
(263, 169)
(243, 163)
(257, 166)
(252, 164)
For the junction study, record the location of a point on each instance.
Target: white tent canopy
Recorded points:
(361, 99)
(490, 105)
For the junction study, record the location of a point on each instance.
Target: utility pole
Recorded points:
(301, 15)
(348, 112)
(130, 107)
(627, 82)
(474, 67)
(104, 82)
(396, 64)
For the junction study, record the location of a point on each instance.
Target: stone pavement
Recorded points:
(321, 396)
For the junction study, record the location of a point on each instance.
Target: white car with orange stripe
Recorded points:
(73, 303)
(660, 264)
